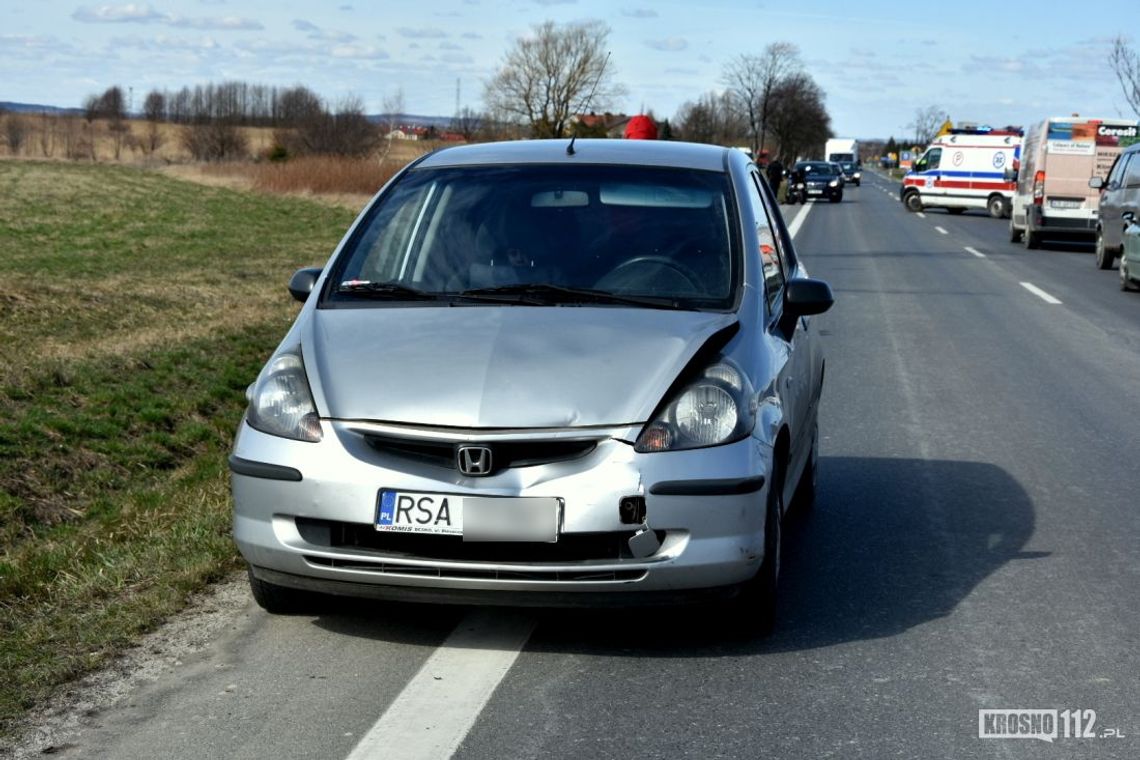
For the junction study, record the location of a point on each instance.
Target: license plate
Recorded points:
(1065, 204)
(475, 518)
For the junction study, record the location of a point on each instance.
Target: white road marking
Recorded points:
(976, 252)
(1040, 293)
(437, 708)
(798, 222)
(920, 215)
(943, 231)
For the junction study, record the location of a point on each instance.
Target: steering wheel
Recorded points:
(690, 277)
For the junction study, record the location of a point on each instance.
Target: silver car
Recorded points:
(541, 373)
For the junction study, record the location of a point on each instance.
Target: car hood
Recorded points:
(500, 367)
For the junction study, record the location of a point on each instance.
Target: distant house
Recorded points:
(612, 123)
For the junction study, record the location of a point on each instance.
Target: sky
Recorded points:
(983, 62)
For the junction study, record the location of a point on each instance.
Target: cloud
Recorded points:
(117, 14)
(141, 13)
(471, 36)
(360, 52)
(421, 33)
(555, 2)
(450, 46)
(344, 7)
(318, 34)
(456, 58)
(639, 12)
(225, 23)
(670, 45)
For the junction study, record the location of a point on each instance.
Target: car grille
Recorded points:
(504, 454)
(570, 547)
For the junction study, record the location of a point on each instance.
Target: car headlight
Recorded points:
(716, 408)
(833, 183)
(858, 175)
(281, 403)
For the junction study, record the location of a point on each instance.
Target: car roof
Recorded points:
(662, 153)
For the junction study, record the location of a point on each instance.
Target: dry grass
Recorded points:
(319, 175)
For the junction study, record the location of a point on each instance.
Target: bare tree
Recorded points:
(343, 132)
(1126, 63)
(154, 109)
(799, 120)
(926, 123)
(15, 132)
(548, 77)
(753, 80)
(711, 119)
(468, 123)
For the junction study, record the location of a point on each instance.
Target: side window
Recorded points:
(1117, 172)
(1132, 172)
(771, 260)
(929, 160)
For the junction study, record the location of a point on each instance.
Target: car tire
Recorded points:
(280, 600)
(913, 201)
(1014, 233)
(996, 207)
(1031, 239)
(837, 197)
(752, 612)
(1104, 258)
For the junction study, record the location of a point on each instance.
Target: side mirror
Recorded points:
(1129, 217)
(804, 297)
(1096, 183)
(302, 282)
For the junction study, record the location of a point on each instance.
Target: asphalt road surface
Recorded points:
(976, 545)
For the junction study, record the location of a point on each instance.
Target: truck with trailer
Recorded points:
(965, 168)
(1058, 158)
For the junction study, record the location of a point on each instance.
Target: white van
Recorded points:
(964, 169)
(1058, 158)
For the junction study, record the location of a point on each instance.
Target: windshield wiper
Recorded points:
(542, 294)
(390, 290)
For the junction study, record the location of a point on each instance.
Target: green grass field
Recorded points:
(134, 311)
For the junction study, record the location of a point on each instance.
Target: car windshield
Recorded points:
(616, 235)
(849, 166)
(817, 168)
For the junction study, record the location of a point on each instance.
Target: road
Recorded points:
(975, 545)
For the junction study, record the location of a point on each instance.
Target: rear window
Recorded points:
(625, 230)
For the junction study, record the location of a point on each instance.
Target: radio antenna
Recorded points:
(586, 102)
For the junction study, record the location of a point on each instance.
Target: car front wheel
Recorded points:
(752, 612)
(913, 202)
(280, 600)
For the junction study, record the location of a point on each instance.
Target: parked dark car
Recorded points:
(852, 172)
(822, 179)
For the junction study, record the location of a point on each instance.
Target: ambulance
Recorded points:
(963, 169)
(1059, 157)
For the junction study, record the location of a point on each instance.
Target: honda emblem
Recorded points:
(474, 460)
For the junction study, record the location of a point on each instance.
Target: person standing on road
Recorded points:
(775, 176)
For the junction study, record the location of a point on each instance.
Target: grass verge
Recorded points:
(136, 309)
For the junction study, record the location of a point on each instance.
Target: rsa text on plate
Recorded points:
(475, 518)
